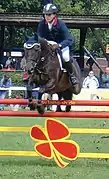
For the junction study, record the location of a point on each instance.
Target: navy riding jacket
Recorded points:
(58, 33)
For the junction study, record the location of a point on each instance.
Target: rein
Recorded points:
(43, 58)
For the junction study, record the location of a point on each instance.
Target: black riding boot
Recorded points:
(69, 68)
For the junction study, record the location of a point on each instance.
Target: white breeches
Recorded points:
(66, 54)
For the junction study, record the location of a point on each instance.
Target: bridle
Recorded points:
(38, 64)
(40, 59)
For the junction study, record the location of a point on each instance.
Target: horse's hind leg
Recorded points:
(58, 109)
(67, 96)
(40, 107)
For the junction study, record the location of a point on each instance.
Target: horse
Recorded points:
(45, 71)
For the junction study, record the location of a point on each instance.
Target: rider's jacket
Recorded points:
(58, 33)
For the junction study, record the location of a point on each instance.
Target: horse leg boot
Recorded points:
(69, 68)
(31, 105)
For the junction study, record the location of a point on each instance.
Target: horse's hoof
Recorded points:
(40, 108)
(59, 110)
(67, 109)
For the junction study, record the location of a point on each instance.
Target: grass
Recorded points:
(39, 168)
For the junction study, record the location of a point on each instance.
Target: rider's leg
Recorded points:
(68, 65)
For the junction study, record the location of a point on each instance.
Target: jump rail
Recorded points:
(57, 102)
(71, 115)
(56, 114)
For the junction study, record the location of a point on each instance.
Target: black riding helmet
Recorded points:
(50, 9)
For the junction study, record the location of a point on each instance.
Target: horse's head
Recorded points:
(36, 51)
(32, 51)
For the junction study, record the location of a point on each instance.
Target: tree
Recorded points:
(14, 37)
(75, 7)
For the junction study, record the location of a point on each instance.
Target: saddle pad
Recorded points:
(59, 57)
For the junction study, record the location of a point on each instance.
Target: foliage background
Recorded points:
(14, 36)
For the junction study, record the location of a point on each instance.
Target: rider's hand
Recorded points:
(55, 46)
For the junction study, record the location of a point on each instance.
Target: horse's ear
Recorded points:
(43, 42)
(36, 37)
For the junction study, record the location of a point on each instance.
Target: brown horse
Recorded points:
(43, 65)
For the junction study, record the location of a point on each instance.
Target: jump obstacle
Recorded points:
(57, 102)
(56, 114)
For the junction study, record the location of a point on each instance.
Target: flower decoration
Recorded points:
(52, 142)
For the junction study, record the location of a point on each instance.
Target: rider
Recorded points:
(54, 29)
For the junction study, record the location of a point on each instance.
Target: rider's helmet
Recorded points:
(50, 9)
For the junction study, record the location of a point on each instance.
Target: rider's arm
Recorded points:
(68, 38)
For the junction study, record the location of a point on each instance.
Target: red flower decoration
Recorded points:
(52, 142)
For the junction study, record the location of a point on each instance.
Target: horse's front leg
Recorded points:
(31, 105)
(40, 107)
